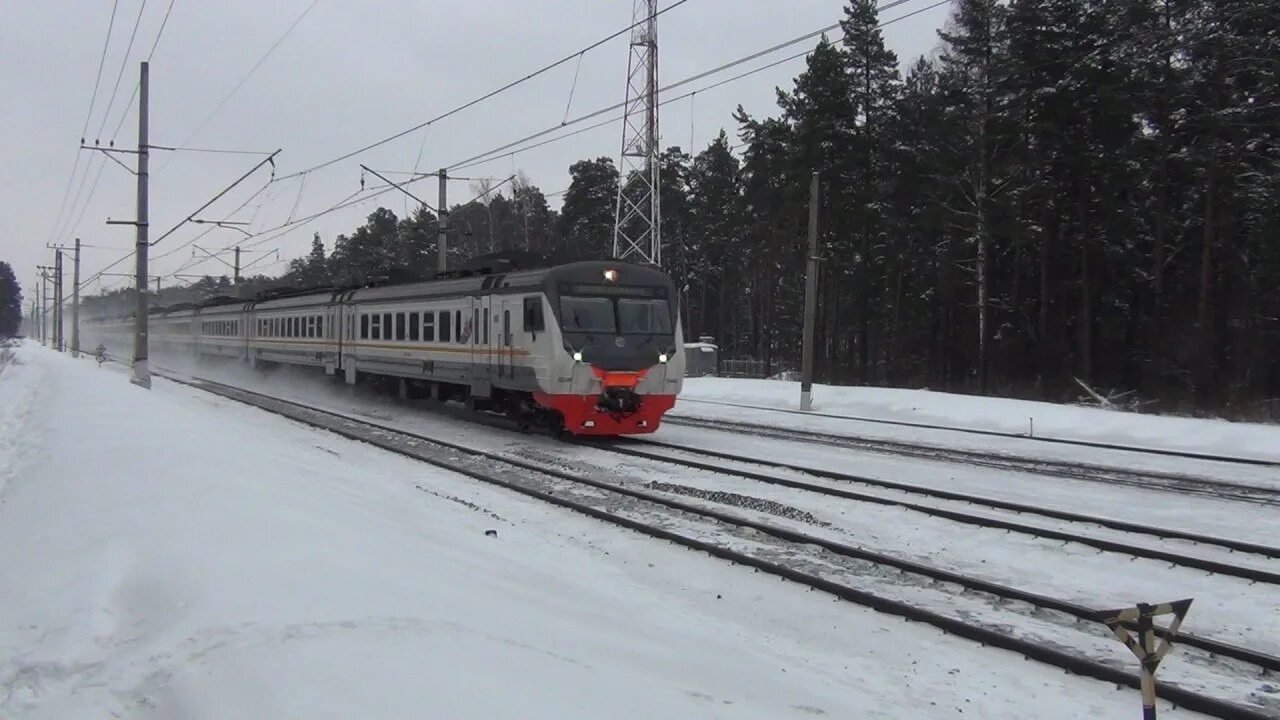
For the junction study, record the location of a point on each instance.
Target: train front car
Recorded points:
(619, 361)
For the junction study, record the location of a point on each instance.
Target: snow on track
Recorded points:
(173, 554)
(759, 402)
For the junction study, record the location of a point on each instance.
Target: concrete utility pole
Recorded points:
(141, 373)
(57, 300)
(810, 300)
(43, 289)
(75, 303)
(236, 268)
(442, 223)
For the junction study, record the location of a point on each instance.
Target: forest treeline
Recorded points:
(1065, 189)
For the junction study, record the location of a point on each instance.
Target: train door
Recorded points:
(508, 328)
(329, 334)
(476, 333)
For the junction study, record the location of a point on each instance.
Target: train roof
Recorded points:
(481, 275)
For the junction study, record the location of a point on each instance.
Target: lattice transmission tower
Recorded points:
(637, 225)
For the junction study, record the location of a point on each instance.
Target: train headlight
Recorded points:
(577, 356)
(662, 357)
(611, 275)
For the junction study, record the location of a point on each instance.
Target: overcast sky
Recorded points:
(350, 73)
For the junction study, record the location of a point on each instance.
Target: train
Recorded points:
(589, 347)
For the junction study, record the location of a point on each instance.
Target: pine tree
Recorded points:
(972, 57)
(822, 118)
(874, 89)
(716, 263)
(586, 219)
(10, 301)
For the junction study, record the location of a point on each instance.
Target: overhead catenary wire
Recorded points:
(123, 115)
(288, 227)
(223, 151)
(93, 98)
(485, 96)
(124, 63)
(160, 32)
(504, 151)
(246, 77)
(215, 198)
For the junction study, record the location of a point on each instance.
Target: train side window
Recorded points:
(375, 327)
(445, 326)
(415, 325)
(386, 327)
(506, 328)
(429, 326)
(457, 324)
(364, 326)
(533, 321)
(400, 330)
(486, 326)
(475, 327)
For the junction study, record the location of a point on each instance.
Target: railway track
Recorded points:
(1158, 480)
(1160, 452)
(822, 564)
(678, 454)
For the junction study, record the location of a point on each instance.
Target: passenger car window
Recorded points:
(414, 326)
(364, 327)
(400, 331)
(587, 314)
(429, 326)
(444, 326)
(533, 314)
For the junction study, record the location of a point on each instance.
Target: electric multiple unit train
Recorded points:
(588, 348)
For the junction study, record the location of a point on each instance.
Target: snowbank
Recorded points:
(171, 554)
(988, 413)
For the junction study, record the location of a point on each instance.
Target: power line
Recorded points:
(487, 95)
(211, 228)
(123, 116)
(215, 198)
(245, 78)
(289, 227)
(123, 64)
(209, 150)
(501, 151)
(101, 61)
(160, 32)
(75, 167)
(371, 193)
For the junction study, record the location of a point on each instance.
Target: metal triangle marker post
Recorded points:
(1141, 620)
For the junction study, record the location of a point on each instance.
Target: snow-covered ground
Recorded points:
(172, 554)
(759, 401)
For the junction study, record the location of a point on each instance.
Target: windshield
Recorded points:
(582, 314)
(644, 316)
